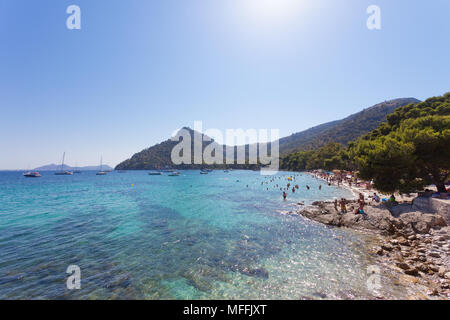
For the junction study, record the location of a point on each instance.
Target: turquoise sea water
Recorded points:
(136, 236)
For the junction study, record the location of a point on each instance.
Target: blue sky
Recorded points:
(138, 70)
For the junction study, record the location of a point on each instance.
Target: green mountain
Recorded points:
(159, 157)
(340, 131)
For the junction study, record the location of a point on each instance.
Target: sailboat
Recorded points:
(77, 169)
(101, 172)
(62, 172)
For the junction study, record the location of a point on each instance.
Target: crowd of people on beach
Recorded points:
(340, 179)
(350, 179)
(287, 184)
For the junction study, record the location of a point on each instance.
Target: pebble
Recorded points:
(434, 254)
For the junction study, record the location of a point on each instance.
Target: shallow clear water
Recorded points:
(195, 236)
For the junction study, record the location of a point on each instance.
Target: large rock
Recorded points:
(377, 218)
(433, 205)
(422, 222)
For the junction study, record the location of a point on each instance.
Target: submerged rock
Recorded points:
(257, 272)
(320, 295)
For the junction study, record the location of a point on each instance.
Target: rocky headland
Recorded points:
(412, 240)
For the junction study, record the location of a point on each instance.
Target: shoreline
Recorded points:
(411, 247)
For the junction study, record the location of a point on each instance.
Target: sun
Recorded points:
(271, 11)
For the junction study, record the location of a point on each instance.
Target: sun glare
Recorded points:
(271, 11)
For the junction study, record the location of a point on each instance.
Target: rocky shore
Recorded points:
(412, 244)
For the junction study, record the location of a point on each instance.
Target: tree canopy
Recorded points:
(332, 156)
(410, 150)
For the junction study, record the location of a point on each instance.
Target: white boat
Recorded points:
(174, 174)
(63, 172)
(101, 172)
(30, 174)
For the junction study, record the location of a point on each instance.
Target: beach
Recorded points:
(412, 242)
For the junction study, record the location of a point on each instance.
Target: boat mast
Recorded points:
(62, 164)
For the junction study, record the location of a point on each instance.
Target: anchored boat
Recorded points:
(30, 174)
(101, 172)
(63, 172)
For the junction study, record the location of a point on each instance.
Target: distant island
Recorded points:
(56, 167)
(340, 131)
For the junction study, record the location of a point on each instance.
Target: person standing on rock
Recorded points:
(343, 206)
(336, 204)
(361, 203)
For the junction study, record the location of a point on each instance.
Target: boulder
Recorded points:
(433, 205)
(422, 222)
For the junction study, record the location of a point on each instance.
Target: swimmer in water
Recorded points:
(284, 195)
